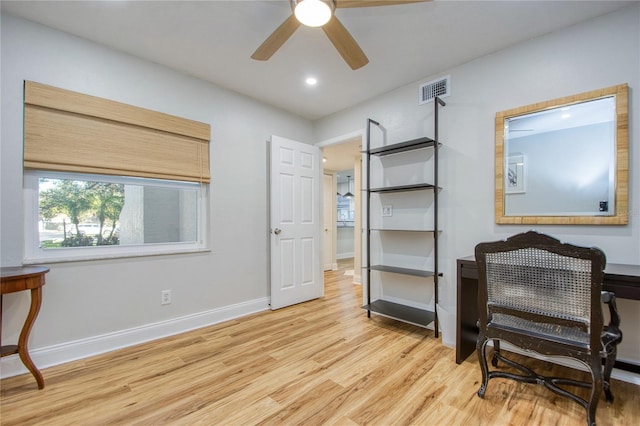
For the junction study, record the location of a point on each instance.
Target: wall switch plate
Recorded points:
(165, 297)
(387, 210)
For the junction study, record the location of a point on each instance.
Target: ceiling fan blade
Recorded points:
(276, 39)
(370, 3)
(345, 44)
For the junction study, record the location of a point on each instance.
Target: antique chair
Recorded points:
(544, 296)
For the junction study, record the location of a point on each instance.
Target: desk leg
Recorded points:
(23, 341)
(466, 318)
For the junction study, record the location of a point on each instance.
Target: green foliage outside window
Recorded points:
(80, 201)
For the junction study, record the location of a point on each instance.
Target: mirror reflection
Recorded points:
(561, 161)
(564, 161)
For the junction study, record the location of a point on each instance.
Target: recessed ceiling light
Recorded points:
(311, 81)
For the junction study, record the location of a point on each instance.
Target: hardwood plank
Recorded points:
(320, 362)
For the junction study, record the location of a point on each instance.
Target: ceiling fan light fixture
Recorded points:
(313, 13)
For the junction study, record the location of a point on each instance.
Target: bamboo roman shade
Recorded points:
(69, 131)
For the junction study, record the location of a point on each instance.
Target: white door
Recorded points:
(296, 222)
(329, 223)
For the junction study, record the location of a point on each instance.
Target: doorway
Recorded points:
(345, 221)
(342, 160)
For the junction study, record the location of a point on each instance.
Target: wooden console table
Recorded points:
(20, 278)
(623, 280)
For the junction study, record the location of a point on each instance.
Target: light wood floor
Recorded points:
(321, 362)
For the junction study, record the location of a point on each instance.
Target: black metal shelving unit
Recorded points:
(409, 314)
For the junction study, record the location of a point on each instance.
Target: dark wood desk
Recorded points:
(623, 280)
(20, 278)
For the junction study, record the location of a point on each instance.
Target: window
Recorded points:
(107, 179)
(76, 216)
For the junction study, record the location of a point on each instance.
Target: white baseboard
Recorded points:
(330, 266)
(83, 348)
(340, 256)
(357, 279)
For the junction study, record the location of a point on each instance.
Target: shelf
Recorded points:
(419, 317)
(404, 188)
(403, 271)
(403, 146)
(9, 350)
(395, 276)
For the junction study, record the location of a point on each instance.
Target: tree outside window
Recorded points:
(82, 203)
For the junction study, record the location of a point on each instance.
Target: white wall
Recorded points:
(97, 299)
(595, 54)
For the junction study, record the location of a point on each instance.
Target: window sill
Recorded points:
(108, 256)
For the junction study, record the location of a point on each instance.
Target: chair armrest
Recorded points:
(609, 298)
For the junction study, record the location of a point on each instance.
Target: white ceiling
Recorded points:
(213, 40)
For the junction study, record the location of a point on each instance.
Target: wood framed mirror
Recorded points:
(564, 161)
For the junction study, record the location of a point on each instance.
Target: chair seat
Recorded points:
(553, 332)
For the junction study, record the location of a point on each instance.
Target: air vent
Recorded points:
(440, 88)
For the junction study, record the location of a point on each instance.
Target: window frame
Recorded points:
(33, 253)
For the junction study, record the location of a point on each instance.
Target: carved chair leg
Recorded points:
(481, 347)
(608, 366)
(595, 365)
(496, 353)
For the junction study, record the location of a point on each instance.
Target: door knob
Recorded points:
(277, 231)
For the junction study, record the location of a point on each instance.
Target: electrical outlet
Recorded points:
(165, 297)
(387, 210)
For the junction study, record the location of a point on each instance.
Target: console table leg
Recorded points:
(23, 341)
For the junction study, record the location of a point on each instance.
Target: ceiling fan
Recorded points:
(319, 13)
